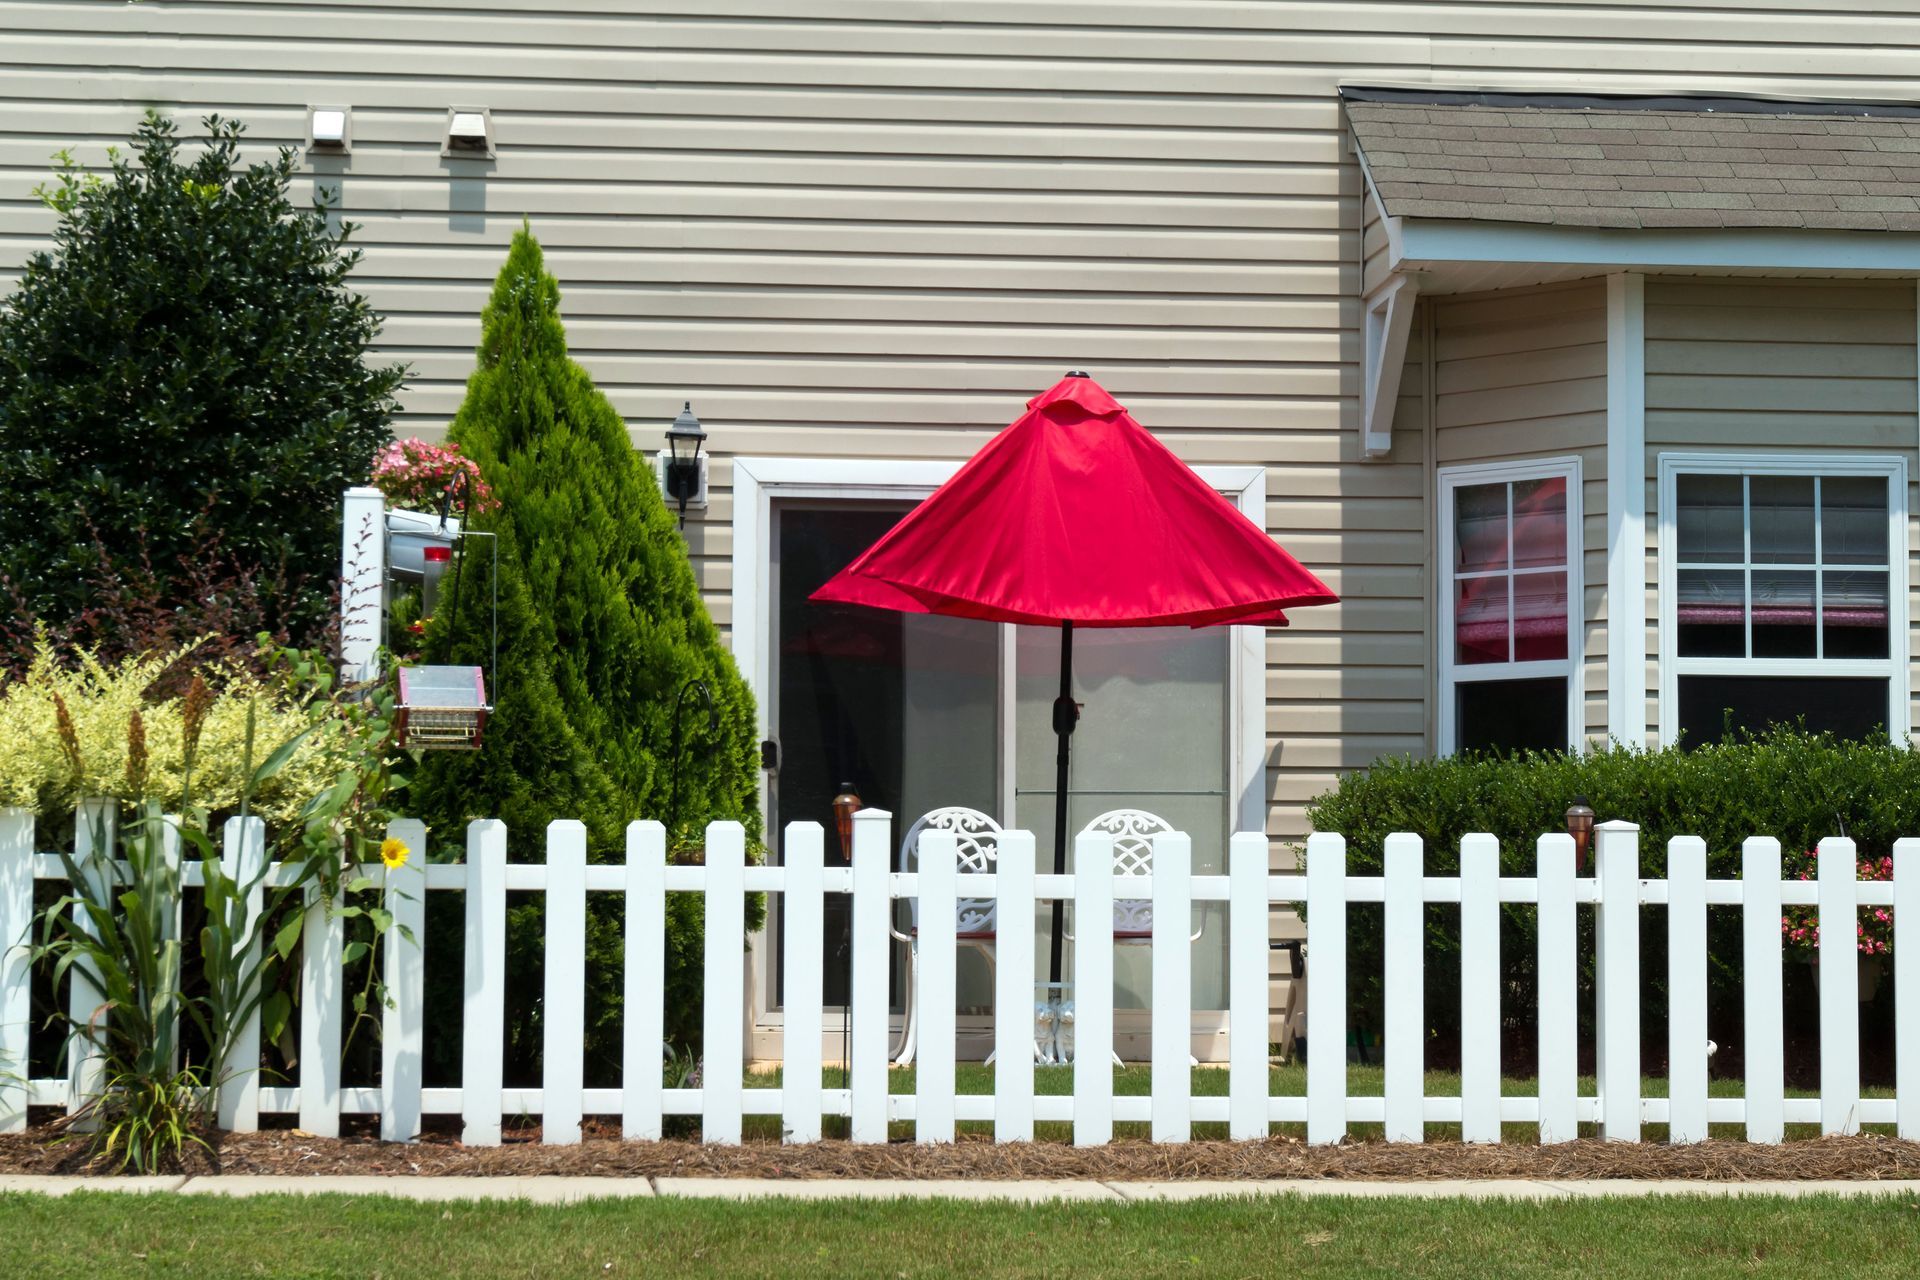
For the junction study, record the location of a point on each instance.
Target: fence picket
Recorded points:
(1839, 987)
(643, 1029)
(96, 837)
(1326, 987)
(322, 1002)
(1557, 1010)
(938, 994)
(872, 959)
(1013, 1032)
(1686, 989)
(16, 924)
(403, 1025)
(803, 942)
(243, 858)
(1761, 989)
(1249, 920)
(1404, 1037)
(1093, 989)
(1617, 986)
(1479, 988)
(1906, 987)
(483, 1053)
(564, 1015)
(724, 1053)
(1172, 1047)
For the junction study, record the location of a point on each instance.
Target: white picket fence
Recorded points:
(1616, 893)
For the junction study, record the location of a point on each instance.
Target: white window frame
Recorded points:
(1895, 666)
(757, 482)
(1454, 673)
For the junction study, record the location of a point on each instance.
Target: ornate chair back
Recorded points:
(979, 841)
(1133, 831)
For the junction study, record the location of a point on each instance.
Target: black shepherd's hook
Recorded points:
(713, 728)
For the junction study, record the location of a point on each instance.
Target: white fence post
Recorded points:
(1906, 986)
(1480, 989)
(1686, 989)
(1559, 1024)
(483, 1049)
(643, 1000)
(938, 994)
(96, 832)
(1760, 982)
(1617, 997)
(723, 1052)
(403, 1025)
(872, 961)
(1172, 1102)
(1013, 990)
(1839, 987)
(804, 943)
(1093, 989)
(1249, 921)
(322, 1003)
(16, 926)
(564, 1021)
(243, 858)
(1326, 987)
(1404, 1044)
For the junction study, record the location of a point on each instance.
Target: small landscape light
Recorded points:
(1580, 827)
(845, 805)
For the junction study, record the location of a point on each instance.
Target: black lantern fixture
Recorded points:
(682, 470)
(1580, 827)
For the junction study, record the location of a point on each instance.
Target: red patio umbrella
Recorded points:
(1075, 516)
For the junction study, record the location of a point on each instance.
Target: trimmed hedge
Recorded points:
(1797, 786)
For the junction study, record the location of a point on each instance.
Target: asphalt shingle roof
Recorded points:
(1673, 164)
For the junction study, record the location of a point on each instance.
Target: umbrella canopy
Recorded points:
(1075, 516)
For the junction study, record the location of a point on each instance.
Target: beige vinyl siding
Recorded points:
(1775, 366)
(873, 228)
(1521, 374)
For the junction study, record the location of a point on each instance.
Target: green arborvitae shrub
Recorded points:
(1796, 786)
(601, 626)
(185, 371)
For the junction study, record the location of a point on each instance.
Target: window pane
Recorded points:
(1511, 715)
(1782, 517)
(1783, 613)
(1712, 613)
(1853, 614)
(1853, 520)
(1480, 620)
(1850, 708)
(1539, 616)
(1711, 527)
(1479, 527)
(1540, 522)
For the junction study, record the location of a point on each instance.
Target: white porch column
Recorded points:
(1627, 509)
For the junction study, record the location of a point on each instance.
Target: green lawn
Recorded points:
(97, 1235)
(1288, 1081)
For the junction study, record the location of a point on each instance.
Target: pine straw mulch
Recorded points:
(1864, 1157)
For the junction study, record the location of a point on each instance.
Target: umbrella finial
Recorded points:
(1078, 373)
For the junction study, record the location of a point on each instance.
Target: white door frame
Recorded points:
(758, 481)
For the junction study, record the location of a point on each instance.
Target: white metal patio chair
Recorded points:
(976, 920)
(1133, 831)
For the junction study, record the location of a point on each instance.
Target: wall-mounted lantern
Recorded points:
(682, 466)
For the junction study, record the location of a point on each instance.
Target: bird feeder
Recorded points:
(442, 708)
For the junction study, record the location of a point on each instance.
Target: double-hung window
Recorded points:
(1509, 606)
(1783, 595)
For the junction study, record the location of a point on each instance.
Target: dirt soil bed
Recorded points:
(285, 1151)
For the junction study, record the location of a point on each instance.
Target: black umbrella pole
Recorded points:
(1065, 716)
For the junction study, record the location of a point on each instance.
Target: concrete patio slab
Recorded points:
(554, 1190)
(1032, 1191)
(60, 1185)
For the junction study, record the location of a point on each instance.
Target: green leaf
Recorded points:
(289, 936)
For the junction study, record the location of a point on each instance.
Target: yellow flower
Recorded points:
(394, 853)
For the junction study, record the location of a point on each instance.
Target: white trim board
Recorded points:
(1627, 509)
(1897, 666)
(1429, 243)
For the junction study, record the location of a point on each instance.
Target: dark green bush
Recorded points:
(184, 377)
(601, 626)
(1796, 786)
